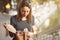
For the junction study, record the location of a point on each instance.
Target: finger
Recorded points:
(4, 24)
(25, 30)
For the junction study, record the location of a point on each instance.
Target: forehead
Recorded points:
(25, 8)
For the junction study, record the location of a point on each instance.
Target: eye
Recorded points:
(23, 11)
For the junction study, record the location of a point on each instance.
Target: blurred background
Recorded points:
(46, 18)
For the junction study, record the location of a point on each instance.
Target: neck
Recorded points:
(24, 18)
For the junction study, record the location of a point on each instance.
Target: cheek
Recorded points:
(27, 13)
(22, 12)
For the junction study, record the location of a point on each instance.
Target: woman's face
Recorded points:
(25, 11)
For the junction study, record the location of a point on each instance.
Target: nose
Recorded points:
(25, 12)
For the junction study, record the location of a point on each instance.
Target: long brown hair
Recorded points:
(21, 5)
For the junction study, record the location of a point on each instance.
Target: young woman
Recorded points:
(23, 21)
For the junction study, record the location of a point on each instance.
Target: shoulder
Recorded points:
(13, 20)
(32, 17)
(13, 17)
(32, 22)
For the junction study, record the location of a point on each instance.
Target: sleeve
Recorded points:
(32, 20)
(11, 22)
(32, 23)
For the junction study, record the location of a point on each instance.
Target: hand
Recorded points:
(28, 33)
(6, 25)
(18, 33)
(9, 27)
(25, 30)
(19, 36)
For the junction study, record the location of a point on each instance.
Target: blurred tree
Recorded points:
(38, 1)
